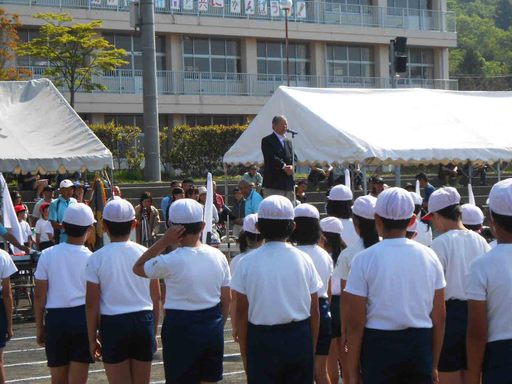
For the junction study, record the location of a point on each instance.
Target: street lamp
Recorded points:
(286, 5)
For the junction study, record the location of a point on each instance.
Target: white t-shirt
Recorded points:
(423, 234)
(399, 278)
(335, 282)
(193, 276)
(345, 260)
(490, 280)
(323, 264)
(278, 280)
(456, 249)
(43, 228)
(122, 291)
(493, 243)
(348, 233)
(63, 265)
(7, 266)
(26, 232)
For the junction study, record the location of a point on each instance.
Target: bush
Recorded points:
(122, 142)
(197, 150)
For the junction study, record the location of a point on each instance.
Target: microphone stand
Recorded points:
(293, 169)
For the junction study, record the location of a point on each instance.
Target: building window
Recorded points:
(136, 120)
(204, 120)
(132, 46)
(349, 61)
(421, 63)
(29, 61)
(272, 60)
(410, 4)
(213, 58)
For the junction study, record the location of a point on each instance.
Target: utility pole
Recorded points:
(149, 93)
(392, 61)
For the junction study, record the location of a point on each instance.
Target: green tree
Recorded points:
(472, 63)
(76, 52)
(503, 17)
(9, 40)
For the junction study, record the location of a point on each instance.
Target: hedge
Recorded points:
(197, 150)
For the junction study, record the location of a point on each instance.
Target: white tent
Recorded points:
(39, 131)
(385, 126)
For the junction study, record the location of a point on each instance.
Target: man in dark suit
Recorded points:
(278, 161)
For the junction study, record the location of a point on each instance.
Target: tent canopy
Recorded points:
(384, 126)
(39, 131)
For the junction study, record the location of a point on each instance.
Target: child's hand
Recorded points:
(40, 337)
(174, 234)
(95, 350)
(9, 333)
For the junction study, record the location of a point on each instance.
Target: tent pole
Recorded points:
(498, 168)
(365, 180)
(111, 182)
(226, 202)
(397, 175)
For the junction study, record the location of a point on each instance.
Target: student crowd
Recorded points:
(364, 293)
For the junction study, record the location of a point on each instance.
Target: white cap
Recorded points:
(201, 190)
(394, 204)
(276, 207)
(500, 198)
(416, 197)
(66, 183)
(442, 198)
(185, 211)
(79, 214)
(306, 210)
(364, 207)
(331, 224)
(119, 211)
(250, 223)
(471, 215)
(340, 193)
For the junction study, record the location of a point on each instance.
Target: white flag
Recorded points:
(275, 11)
(208, 209)
(249, 7)
(301, 10)
(235, 6)
(9, 215)
(262, 7)
(202, 5)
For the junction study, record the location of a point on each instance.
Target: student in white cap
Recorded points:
(456, 248)
(251, 237)
(394, 302)
(331, 241)
(7, 269)
(472, 217)
(277, 302)
(60, 293)
(489, 291)
(121, 306)
(423, 231)
(197, 296)
(306, 236)
(339, 204)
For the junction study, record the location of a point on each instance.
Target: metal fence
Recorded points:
(318, 12)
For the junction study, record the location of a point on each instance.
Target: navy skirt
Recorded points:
(325, 333)
(497, 363)
(335, 316)
(453, 354)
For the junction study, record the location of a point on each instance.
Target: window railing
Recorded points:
(126, 81)
(303, 12)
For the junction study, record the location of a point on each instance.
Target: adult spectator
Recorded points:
(79, 192)
(238, 212)
(252, 198)
(58, 207)
(377, 185)
(448, 174)
(218, 200)
(187, 184)
(278, 159)
(167, 200)
(47, 197)
(427, 188)
(192, 193)
(148, 220)
(253, 176)
(300, 192)
(318, 174)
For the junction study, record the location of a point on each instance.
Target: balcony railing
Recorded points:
(242, 84)
(318, 12)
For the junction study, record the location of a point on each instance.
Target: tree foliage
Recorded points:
(9, 40)
(75, 52)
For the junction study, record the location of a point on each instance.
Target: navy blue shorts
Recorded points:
(193, 345)
(324, 335)
(66, 336)
(453, 354)
(497, 363)
(127, 336)
(397, 357)
(3, 323)
(280, 353)
(335, 316)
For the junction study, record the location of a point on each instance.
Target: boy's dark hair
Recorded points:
(118, 229)
(307, 231)
(187, 181)
(144, 196)
(191, 228)
(503, 221)
(452, 212)
(367, 230)
(174, 183)
(335, 243)
(417, 209)
(73, 230)
(242, 242)
(421, 176)
(275, 229)
(473, 227)
(253, 236)
(339, 208)
(177, 191)
(395, 224)
(191, 191)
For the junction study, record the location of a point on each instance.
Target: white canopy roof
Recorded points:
(372, 126)
(40, 131)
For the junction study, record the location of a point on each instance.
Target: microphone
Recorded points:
(292, 132)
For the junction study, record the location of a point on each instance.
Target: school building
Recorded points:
(219, 61)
